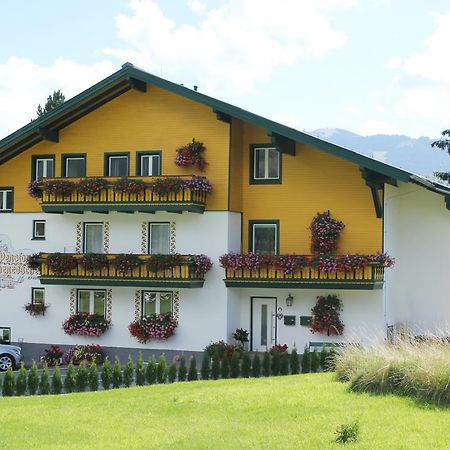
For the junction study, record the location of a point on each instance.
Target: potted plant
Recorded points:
(61, 263)
(53, 356)
(127, 185)
(126, 262)
(191, 155)
(240, 335)
(94, 261)
(92, 186)
(165, 186)
(84, 324)
(326, 315)
(156, 326)
(36, 309)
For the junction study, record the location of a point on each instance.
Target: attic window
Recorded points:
(265, 164)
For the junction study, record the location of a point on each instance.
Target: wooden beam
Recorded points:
(137, 85)
(375, 181)
(285, 144)
(48, 135)
(222, 116)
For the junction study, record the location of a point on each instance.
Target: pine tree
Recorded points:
(172, 372)
(275, 366)
(128, 372)
(54, 100)
(215, 367)
(235, 366)
(295, 362)
(93, 377)
(266, 370)
(246, 368)
(182, 369)
(256, 366)
(106, 375)
(192, 374)
(225, 367)
(33, 379)
(150, 371)
(323, 357)
(8, 383)
(21, 381)
(162, 369)
(57, 385)
(330, 360)
(82, 377)
(284, 363)
(206, 366)
(315, 361)
(117, 374)
(44, 383)
(306, 361)
(70, 381)
(140, 371)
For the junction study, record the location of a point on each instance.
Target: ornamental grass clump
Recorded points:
(83, 324)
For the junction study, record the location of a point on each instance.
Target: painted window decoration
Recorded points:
(74, 166)
(156, 303)
(264, 238)
(158, 238)
(44, 168)
(38, 229)
(117, 165)
(266, 164)
(93, 237)
(6, 199)
(149, 164)
(91, 302)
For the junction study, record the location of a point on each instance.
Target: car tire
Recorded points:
(6, 361)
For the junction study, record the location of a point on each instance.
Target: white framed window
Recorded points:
(6, 199)
(156, 302)
(44, 168)
(91, 301)
(150, 165)
(117, 166)
(159, 238)
(266, 164)
(264, 237)
(75, 166)
(38, 229)
(38, 296)
(93, 237)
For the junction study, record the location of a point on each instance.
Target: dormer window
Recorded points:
(265, 163)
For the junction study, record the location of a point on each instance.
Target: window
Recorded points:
(156, 303)
(264, 236)
(148, 164)
(91, 302)
(43, 167)
(38, 229)
(93, 237)
(265, 165)
(5, 335)
(158, 238)
(116, 165)
(6, 199)
(37, 296)
(73, 166)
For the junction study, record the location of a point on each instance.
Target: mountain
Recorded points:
(415, 155)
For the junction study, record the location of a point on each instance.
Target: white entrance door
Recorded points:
(264, 323)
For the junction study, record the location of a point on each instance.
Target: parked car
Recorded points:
(10, 356)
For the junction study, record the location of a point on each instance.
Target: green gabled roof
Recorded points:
(122, 80)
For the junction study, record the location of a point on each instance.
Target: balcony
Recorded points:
(184, 271)
(305, 274)
(128, 195)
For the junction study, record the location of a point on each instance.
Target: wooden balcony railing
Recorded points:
(367, 278)
(108, 199)
(183, 274)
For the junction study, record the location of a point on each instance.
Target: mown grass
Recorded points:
(299, 411)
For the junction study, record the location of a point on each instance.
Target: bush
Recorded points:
(82, 377)
(106, 375)
(266, 370)
(162, 369)
(347, 433)
(33, 379)
(70, 381)
(8, 383)
(206, 366)
(87, 353)
(57, 385)
(192, 374)
(215, 367)
(235, 366)
(330, 361)
(93, 377)
(44, 383)
(315, 361)
(140, 371)
(276, 363)
(246, 369)
(222, 349)
(256, 366)
(172, 372)
(225, 368)
(284, 364)
(128, 372)
(21, 381)
(306, 361)
(150, 371)
(295, 362)
(182, 370)
(117, 374)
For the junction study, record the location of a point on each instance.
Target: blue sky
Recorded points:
(369, 66)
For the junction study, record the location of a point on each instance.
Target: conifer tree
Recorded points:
(275, 366)
(54, 100)
(323, 357)
(295, 362)
(235, 366)
(182, 369)
(284, 363)
(70, 381)
(150, 371)
(82, 377)
(117, 374)
(172, 372)
(192, 374)
(56, 387)
(8, 383)
(206, 366)
(140, 370)
(225, 367)
(256, 366)
(246, 368)
(44, 383)
(106, 375)
(306, 361)
(21, 381)
(315, 361)
(330, 360)
(93, 376)
(128, 372)
(162, 369)
(215, 367)
(266, 370)
(33, 379)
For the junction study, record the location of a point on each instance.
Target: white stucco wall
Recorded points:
(417, 234)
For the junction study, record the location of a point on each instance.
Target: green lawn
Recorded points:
(300, 411)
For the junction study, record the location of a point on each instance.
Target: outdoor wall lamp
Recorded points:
(289, 300)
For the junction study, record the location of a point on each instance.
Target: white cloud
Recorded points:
(393, 63)
(197, 6)
(371, 127)
(232, 47)
(24, 84)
